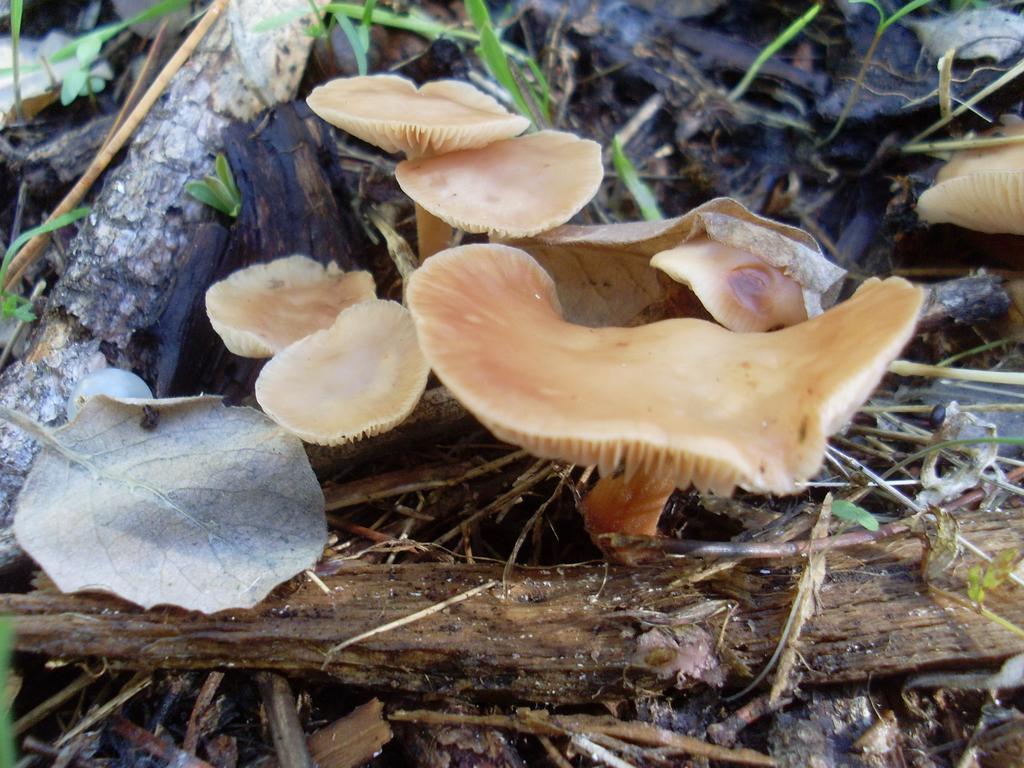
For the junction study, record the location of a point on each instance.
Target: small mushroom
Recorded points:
(261, 309)
(980, 189)
(603, 275)
(741, 291)
(361, 376)
(443, 116)
(511, 188)
(683, 398)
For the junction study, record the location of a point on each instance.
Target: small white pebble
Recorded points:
(112, 382)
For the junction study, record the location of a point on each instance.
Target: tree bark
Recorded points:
(564, 634)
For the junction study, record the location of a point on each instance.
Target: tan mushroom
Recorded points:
(603, 275)
(439, 117)
(512, 188)
(683, 398)
(741, 291)
(361, 376)
(980, 189)
(262, 309)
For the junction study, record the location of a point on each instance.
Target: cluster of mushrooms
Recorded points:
(568, 340)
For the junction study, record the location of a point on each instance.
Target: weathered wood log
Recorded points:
(122, 260)
(286, 168)
(563, 634)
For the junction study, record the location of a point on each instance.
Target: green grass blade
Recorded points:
(354, 40)
(104, 33)
(645, 199)
(8, 754)
(17, 9)
(61, 221)
(772, 48)
(478, 13)
(366, 22)
(908, 8)
(878, 9)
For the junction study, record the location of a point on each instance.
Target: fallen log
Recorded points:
(561, 634)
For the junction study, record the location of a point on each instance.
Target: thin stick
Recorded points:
(137, 684)
(541, 722)
(412, 617)
(285, 728)
(39, 713)
(34, 248)
(907, 368)
(1011, 74)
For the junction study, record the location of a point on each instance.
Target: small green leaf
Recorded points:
(224, 173)
(975, 591)
(17, 307)
(73, 85)
(87, 50)
(201, 191)
(852, 513)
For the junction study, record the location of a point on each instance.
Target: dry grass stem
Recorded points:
(907, 368)
(411, 618)
(33, 248)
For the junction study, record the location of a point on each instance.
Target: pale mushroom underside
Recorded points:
(684, 397)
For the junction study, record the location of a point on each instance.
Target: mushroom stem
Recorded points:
(629, 506)
(432, 234)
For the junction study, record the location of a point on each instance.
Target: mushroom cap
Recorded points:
(360, 377)
(740, 290)
(512, 188)
(392, 113)
(262, 309)
(611, 259)
(683, 397)
(980, 189)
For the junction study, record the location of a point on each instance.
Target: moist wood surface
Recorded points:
(560, 635)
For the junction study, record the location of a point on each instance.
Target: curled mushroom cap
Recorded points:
(685, 397)
(980, 189)
(392, 113)
(603, 273)
(512, 188)
(360, 377)
(263, 308)
(741, 291)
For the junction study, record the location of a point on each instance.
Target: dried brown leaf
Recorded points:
(603, 273)
(190, 503)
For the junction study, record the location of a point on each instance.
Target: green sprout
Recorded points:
(853, 513)
(884, 22)
(982, 579)
(218, 191)
(86, 49)
(641, 192)
(11, 304)
(532, 103)
(772, 48)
